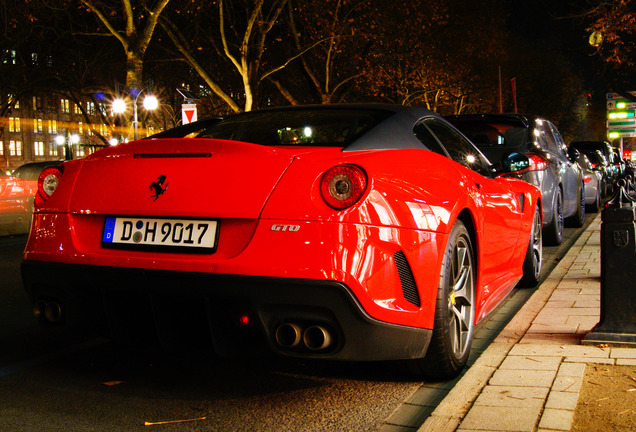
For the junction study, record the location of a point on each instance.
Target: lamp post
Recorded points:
(67, 141)
(150, 103)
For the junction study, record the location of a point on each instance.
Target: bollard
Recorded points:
(617, 325)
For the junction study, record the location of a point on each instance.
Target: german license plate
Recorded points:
(195, 235)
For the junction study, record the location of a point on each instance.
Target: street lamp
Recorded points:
(150, 103)
(61, 140)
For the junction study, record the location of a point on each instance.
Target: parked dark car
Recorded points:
(601, 165)
(31, 171)
(606, 149)
(619, 162)
(593, 180)
(558, 176)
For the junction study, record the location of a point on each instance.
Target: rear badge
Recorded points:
(158, 187)
(291, 228)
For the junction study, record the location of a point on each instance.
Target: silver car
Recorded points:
(593, 180)
(558, 176)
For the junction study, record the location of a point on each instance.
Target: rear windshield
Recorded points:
(312, 127)
(595, 158)
(492, 134)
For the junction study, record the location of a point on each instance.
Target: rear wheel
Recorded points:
(532, 262)
(454, 323)
(578, 219)
(596, 205)
(553, 233)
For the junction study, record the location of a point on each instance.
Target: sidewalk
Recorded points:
(529, 378)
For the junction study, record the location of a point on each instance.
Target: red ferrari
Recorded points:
(350, 232)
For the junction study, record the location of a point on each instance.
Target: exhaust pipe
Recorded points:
(49, 311)
(288, 335)
(38, 309)
(316, 338)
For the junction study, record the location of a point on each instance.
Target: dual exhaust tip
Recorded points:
(49, 311)
(295, 336)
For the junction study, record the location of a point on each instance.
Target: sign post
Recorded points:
(188, 113)
(621, 115)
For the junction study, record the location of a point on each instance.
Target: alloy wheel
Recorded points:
(461, 299)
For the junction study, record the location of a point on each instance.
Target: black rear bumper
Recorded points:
(236, 314)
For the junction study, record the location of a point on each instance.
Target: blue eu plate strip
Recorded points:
(109, 230)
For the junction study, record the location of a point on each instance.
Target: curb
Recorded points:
(494, 392)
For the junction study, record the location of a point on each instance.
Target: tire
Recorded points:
(578, 219)
(454, 323)
(596, 205)
(553, 233)
(534, 254)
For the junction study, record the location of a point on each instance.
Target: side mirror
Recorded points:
(514, 162)
(573, 154)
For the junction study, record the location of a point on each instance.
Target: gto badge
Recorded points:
(291, 228)
(158, 187)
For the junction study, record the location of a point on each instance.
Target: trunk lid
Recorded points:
(180, 177)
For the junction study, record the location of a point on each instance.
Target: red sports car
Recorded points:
(15, 210)
(351, 232)
(17, 193)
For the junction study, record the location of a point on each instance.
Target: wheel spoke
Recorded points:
(461, 300)
(537, 245)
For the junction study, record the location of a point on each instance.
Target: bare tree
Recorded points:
(244, 30)
(133, 27)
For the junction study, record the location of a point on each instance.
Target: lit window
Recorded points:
(65, 106)
(53, 149)
(37, 125)
(10, 57)
(14, 124)
(77, 109)
(81, 128)
(38, 148)
(34, 59)
(1, 148)
(15, 148)
(52, 126)
(12, 102)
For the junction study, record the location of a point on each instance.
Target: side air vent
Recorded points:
(409, 289)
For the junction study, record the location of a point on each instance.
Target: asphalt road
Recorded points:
(55, 380)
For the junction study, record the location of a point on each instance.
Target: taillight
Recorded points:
(537, 163)
(48, 181)
(343, 185)
(587, 179)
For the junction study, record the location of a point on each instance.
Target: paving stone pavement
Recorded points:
(529, 377)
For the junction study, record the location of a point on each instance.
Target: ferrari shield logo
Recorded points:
(621, 238)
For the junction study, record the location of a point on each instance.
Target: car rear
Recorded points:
(245, 245)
